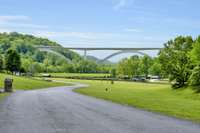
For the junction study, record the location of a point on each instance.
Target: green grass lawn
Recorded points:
(24, 83)
(2, 95)
(152, 97)
(90, 75)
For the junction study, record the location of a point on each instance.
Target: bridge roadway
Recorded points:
(100, 48)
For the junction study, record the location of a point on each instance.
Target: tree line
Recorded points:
(179, 61)
(138, 66)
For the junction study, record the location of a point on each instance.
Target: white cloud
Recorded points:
(121, 4)
(99, 39)
(13, 18)
(18, 22)
(132, 30)
(4, 30)
(80, 35)
(22, 25)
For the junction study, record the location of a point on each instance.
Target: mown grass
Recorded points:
(160, 98)
(2, 95)
(24, 83)
(90, 75)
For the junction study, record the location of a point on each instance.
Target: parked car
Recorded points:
(135, 79)
(139, 79)
(154, 78)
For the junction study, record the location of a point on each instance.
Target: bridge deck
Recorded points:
(96, 48)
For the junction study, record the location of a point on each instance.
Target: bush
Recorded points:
(1, 63)
(194, 79)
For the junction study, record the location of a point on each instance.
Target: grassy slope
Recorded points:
(28, 83)
(153, 97)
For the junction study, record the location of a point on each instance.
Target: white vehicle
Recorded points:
(154, 78)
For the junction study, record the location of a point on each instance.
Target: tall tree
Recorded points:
(195, 56)
(195, 77)
(1, 63)
(195, 53)
(12, 61)
(129, 67)
(146, 63)
(175, 61)
(134, 66)
(122, 67)
(155, 68)
(113, 73)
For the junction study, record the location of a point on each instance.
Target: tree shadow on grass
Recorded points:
(196, 89)
(179, 87)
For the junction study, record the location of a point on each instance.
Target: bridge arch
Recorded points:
(56, 53)
(85, 49)
(122, 52)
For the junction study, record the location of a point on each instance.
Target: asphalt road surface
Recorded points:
(59, 110)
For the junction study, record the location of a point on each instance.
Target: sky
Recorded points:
(102, 23)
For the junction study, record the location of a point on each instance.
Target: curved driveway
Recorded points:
(59, 110)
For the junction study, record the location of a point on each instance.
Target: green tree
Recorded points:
(12, 61)
(68, 68)
(155, 68)
(134, 66)
(113, 72)
(145, 65)
(195, 56)
(195, 77)
(4, 44)
(122, 67)
(26, 64)
(129, 67)
(1, 63)
(39, 56)
(85, 66)
(175, 61)
(46, 64)
(195, 53)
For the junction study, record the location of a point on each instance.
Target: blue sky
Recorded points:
(102, 23)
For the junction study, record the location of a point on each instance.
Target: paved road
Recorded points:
(59, 110)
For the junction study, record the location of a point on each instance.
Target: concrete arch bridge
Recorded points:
(118, 50)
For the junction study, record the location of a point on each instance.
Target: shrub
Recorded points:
(194, 79)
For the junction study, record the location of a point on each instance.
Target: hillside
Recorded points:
(97, 60)
(25, 44)
(33, 60)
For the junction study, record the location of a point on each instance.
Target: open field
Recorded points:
(152, 97)
(89, 75)
(28, 83)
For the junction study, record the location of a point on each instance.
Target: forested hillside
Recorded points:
(33, 60)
